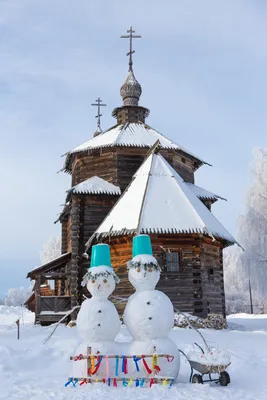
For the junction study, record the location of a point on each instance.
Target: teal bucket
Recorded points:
(141, 245)
(100, 255)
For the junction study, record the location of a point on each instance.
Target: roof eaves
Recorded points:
(58, 262)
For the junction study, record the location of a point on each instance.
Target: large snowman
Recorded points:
(98, 322)
(149, 314)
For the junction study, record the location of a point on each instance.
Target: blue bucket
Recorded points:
(100, 255)
(141, 245)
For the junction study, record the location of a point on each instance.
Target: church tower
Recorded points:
(131, 179)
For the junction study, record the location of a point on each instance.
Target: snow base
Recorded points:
(31, 370)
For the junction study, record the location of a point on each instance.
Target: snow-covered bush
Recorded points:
(17, 296)
(51, 249)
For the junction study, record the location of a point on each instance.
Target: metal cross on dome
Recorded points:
(99, 115)
(131, 37)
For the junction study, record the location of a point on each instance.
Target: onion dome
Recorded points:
(131, 90)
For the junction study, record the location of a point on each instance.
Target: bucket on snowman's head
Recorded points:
(100, 255)
(141, 245)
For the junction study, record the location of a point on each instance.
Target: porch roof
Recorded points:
(52, 265)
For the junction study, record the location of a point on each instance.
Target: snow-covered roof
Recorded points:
(95, 185)
(130, 135)
(159, 201)
(202, 193)
(56, 263)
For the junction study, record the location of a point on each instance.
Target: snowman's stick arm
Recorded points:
(59, 322)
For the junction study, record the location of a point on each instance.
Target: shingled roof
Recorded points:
(159, 201)
(129, 135)
(204, 194)
(95, 185)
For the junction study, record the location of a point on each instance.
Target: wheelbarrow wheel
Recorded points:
(196, 378)
(224, 378)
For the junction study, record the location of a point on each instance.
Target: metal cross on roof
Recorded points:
(99, 115)
(131, 37)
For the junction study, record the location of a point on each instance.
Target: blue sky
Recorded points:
(202, 66)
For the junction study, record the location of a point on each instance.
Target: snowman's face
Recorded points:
(144, 279)
(101, 286)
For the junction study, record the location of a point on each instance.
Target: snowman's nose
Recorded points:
(98, 287)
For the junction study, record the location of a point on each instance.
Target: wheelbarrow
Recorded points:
(203, 369)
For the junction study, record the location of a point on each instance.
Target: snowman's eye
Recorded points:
(105, 281)
(138, 269)
(93, 281)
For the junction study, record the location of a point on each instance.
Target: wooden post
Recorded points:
(17, 322)
(75, 238)
(89, 364)
(38, 295)
(250, 297)
(56, 305)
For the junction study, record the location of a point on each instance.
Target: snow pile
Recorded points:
(31, 370)
(213, 321)
(9, 315)
(214, 357)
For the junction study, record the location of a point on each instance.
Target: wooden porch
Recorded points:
(50, 304)
(52, 309)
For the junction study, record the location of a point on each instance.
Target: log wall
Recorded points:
(66, 235)
(118, 165)
(190, 289)
(87, 213)
(212, 278)
(102, 163)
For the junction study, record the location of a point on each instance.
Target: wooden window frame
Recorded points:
(173, 262)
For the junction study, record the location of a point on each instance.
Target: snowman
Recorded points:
(149, 315)
(98, 322)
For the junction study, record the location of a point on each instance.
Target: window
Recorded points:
(173, 261)
(211, 275)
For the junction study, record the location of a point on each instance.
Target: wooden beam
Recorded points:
(38, 294)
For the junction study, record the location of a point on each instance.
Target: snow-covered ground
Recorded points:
(31, 370)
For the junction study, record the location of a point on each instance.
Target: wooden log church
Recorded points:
(126, 180)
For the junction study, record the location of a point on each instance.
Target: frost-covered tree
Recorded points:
(253, 227)
(17, 296)
(51, 249)
(251, 264)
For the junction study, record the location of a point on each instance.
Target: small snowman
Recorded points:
(149, 315)
(98, 321)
